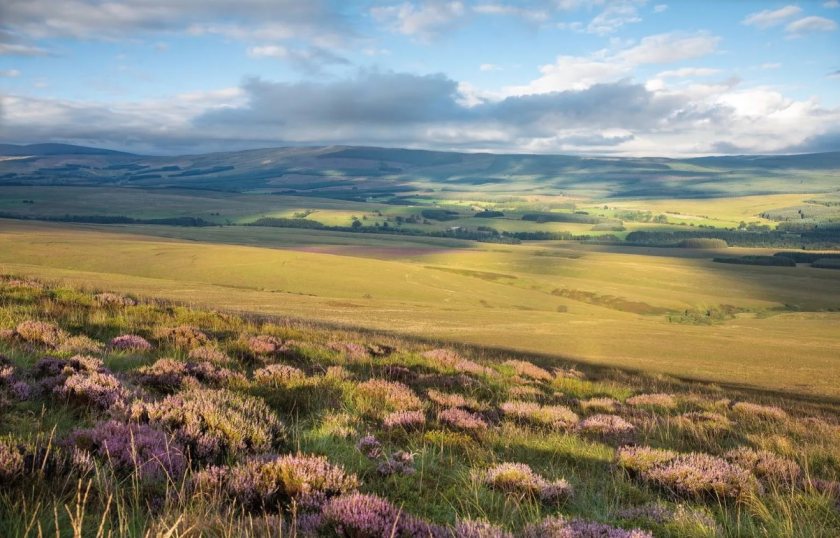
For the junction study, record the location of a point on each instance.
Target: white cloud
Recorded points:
(668, 48)
(770, 65)
(831, 4)
(768, 18)
(687, 72)
(489, 67)
(615, 15)
(659, 8)
(9, 73)
(311, 59)
(806, 25)
(527, 14)
(424, 20)
(17, 49)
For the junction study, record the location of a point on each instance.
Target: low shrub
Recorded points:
(699, 475)
(370, 447)
(460, 419)
(182, 336)
(555, 416)
(271, 483)
(600, 405)
(469, 528)
(640, 459)
(134, 448)
(378, 397)
(98, 389)
(278, 375)
(407, 420)
(215, 423)
(40, 332)
(400, 462)
(209, 354)
(360, 515)
(168, 375)
(653, 401)
(519, 479)
(445, 399)
(530, 370)
(108, 299)
(559, 527)
(606, 427)
(758, 411)
(130, 342)
(765, 465)
(80, 344)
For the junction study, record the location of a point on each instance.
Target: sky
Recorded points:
(606, 77)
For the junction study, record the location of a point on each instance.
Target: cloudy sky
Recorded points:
(621, 77)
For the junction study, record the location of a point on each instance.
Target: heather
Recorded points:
(152, 418)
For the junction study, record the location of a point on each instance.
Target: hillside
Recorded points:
(132, 416)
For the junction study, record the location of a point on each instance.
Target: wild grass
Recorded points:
(339, 433)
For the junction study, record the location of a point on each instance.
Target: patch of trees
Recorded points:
(702, 242)
(277, 222)
(767, 261)
(488, 214)
(439, 214)
(544, 217)
(828, 238)
(114, 219)
(807, 257)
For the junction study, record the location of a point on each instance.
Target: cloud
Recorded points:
(831, 4)
(615, 15)
(810, 24)
(686, 72)
(489, 67)
(10, 45)
(310, 60)
(660, 8)
(834, 74)
(669, 48)
(770, 65)
(9, 73)
(532, 15)
(424, 20)
(768, 18)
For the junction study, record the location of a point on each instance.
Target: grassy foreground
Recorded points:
(145, 418)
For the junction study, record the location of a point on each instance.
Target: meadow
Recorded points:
(128, 416)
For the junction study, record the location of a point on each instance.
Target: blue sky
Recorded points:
(623, 77)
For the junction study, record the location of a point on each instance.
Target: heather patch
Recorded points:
(130, 342)
(97, 389)
(406, 420)
(168, 375)
(703, 420)
(80, 345)
(699, 475)
(765, 465)
(263, 344)
(445, 399)
(270, 483)
(134, 448)
(182, 336)
(558, 527)
(555, 416)
(520, 480)
(378, 397)
(400, 462)
(470, 528)
(759, 412)
(640, 459)
(529, 369)
(214, 424)
(209, 354)
(40, 332)
(460, 419)
(524, 392)
(278, 375)
(599, 405)
(360, 515)
(452, 360)
(350, 350)
(611, 427)
(653, 401)
(108, 299)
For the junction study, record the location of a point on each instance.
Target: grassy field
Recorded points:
(658, 310)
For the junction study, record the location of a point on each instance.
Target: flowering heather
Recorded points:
(529, 369)
(520, 479)
(655, 401)
(601, 405)
(765, 465)
(657, 513)
(568, 373)
(360, 515)
(133, 448)
(370, 447)
(450, 359)
(378, 397)
(130, 342)
(407, 420)
(264, 344)
(558, 527)
(462, 420)
(209, 354)
(216, 423)
(764, 412)
(606, 426)
(400, 462)
(99, 389)
(338, 373)
(278, 375)
(113, 299)
(524, 392)
(640, 459)
(469, 528)
(445, 399)
(351, 350)
(9, 382)
(11, 461)
(557, 416)
(168, 375)
(80, 344)
(40, 332)
(270, 483)
(704, 420)
(183, 336)
(699, 475)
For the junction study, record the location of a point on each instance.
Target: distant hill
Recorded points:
(13, 150)
(390, 174)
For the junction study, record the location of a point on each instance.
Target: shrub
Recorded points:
(209, 354)
(462, 420)
(524, 392)
(183, 336)
(556, 416)
(704, 420)
(113, 300)
(80, 344)
(700, 475)
(368, 516)
(765, 465)
(213, 424)
(639, 459)
(378, 397)
(351, 350)
(400, 462)
(450, 359)
(40, 332)
(762, 412)
(134, 448)
(654, 401)
(444, 399)
(11, 461)
(558, 527)
(278, 375)
(264, 344)
(370, 447)
(602, 405)
(520, 479)
(406, 420)
(528, 369)
(97, 388)
(130, 342)
(270, 483)
(606, 426)
(168, 375)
